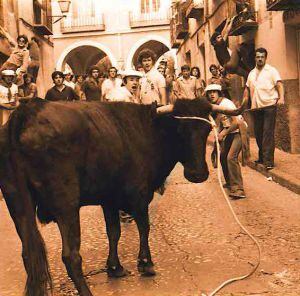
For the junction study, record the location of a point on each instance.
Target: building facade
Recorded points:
(32, 18)
(274, 24)
(111, 33)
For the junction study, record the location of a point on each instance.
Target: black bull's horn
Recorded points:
(165, 109)
(230, 112)
(215, 108)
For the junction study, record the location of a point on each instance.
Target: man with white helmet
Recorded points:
(68, 79)
(8, 94)
(130, 91)
(230, 137)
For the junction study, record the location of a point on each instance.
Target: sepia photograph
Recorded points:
(150, 148)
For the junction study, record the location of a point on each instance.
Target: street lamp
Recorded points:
(64, 6)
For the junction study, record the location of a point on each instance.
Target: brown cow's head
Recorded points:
(192, 134)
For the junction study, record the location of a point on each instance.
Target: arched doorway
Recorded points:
(159, 45)
(80, 56)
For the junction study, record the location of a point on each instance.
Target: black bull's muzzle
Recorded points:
(196, 176)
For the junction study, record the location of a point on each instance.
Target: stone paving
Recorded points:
(195, 244)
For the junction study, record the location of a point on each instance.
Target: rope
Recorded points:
(229, 281)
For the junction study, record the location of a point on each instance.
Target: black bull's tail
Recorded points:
(33, 248)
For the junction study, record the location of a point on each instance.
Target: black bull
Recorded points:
(57, 157)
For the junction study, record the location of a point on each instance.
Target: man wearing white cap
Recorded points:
(68, 79)
(129, 92)
(8, 93)
(232, 145)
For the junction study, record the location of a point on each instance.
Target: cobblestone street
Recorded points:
(195, 244)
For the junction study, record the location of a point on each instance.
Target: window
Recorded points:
(42, 12)
(37, 12)
(86, 8)
(188, 58)
(150, 6)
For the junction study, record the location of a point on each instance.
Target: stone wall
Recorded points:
(289, 118)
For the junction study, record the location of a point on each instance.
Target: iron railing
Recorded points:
(283, 4)
(155, 18)
(83, 23)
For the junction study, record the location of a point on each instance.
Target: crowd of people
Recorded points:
(148, 84)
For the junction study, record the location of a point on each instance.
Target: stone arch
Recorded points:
(85, 44)
(141, 42)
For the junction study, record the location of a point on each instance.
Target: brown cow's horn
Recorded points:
(165, 109)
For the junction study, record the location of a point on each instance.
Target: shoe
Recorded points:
(237, 194)
(226, 185)
(269, 167)
(125, 217)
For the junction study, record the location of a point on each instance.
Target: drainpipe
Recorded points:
(120, 58)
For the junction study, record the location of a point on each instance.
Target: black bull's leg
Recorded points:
(145, 264)
(69, 226)
(113, 229)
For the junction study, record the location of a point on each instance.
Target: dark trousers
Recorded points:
(264, 128)
(231, 147)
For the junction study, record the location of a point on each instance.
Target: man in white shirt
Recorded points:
(129, 92)
(230, 137)
(265, 88)
(153, 84)
(111, 84)
(8, 94)
(187, 86)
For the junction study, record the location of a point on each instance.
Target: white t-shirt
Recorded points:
(121, 94)
(225, 119)
(262, 85)
(109, 85)
(4, 94)
(150, 85)
(69, 83)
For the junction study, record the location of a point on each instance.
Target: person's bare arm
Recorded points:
(246, 94)
(227, 28)
(280, 89)
(163, 95)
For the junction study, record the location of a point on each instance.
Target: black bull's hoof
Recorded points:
(146, 268)
(117, 271)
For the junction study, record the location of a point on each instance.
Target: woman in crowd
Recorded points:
(195, 71)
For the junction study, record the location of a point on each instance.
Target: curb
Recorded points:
(280, 177)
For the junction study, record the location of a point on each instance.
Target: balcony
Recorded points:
(283, 5)
(180, 27)
(42, 22)
(195, 9)
(243, 23)
(82, 23)
(155, 18)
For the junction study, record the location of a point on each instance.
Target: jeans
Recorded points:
(264, 128)
(231, 148)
